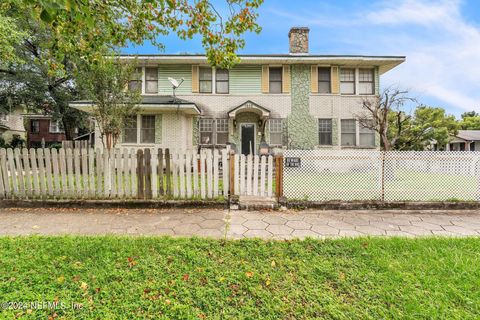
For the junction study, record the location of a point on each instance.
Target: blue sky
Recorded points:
(441, 39)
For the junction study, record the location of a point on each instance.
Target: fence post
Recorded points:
(382, 173)
(140, 170)
(168, 173)
(279, 176)
(148, 174)
(232, 173)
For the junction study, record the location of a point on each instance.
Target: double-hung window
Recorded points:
(221, 81)
(206, 131)
(135, 82)
(151, 80)
(147, 132)
(130, 130)
(367, 135)
(34, 126)
(275, 79)
(221, 131)
(366, 83)
(275, 129)
(325, 132)
(348, 132)
(205, 80)
(324, 80)
(55, 126)
(347, 81)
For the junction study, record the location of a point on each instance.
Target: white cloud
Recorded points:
(442, 48)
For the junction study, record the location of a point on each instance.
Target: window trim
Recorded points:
(136, 132)
(58, 126)
(270, 131)
(137, 72)
(360, 133)
(140, 126)
(331, 132)
(275, 81)
(200, 80)
(216, 131)
(354, 81)
(217, 81)
(354, 133)
(38, 122)
(372, 70)
(149, 80)
(200, 132)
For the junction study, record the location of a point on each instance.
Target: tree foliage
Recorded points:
(86, 28)
(105, 83)
(400, 130)
(470, 121)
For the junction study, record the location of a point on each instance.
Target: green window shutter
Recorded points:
(158, 128)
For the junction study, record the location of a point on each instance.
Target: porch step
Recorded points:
(256, 203)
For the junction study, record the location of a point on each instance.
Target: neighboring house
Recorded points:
(465, 140)
(42, 130)
(295, 100)
(12, 124)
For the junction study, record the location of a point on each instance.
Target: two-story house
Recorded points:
(11, 124)
(43, 130)
(294, 100)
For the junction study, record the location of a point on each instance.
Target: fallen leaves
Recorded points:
(131, 262)
(249, 274)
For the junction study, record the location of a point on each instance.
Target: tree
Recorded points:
(86, 28)
(470, 121)
(427, 124)
(105, 83)
(10, 37)
(31, 82)
(385, 116)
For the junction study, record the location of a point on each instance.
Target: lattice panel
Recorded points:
(431, 175)
(373, 175)
(333, 175)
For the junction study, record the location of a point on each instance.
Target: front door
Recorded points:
(248, 138)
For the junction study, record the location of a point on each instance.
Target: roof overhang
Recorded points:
(249, 106)
(384, 63)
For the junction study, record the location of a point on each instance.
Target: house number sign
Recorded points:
(292, 162)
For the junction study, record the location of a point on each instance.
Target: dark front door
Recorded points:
(248, 139)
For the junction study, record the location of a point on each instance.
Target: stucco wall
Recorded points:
(302, 126)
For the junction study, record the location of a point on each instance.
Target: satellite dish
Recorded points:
(174, 82)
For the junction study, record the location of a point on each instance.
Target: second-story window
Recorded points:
(151, 80)
(35, 126)
(347, 81)
(275, 79)
(130, 130)
(324, 80)
(206, 131)
(135, 82)
(221, 80)
(205, 79)
(365, 81)
(55, 126)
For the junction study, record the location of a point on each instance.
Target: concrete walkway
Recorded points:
(238, 224)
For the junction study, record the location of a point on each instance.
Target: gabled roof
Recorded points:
(469, 135)
(249, 106)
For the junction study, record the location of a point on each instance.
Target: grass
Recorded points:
(171, 278)
(404, 186)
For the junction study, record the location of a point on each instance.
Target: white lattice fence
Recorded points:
(431, 175)
(322, 175)
(332, 175)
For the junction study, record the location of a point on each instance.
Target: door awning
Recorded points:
(249, 106)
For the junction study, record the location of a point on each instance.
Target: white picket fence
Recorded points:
(253, 175)
(130, 174)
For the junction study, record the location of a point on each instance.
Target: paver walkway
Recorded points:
(238, 224)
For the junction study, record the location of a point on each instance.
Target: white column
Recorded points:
(139, 123)
(143, 80)
(214, 87)
(357, 83)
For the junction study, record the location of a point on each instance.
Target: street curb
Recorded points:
(368, 205)
(100, 204)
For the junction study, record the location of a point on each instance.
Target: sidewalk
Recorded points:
(238, 224)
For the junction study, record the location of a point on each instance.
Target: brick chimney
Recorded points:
(298, 39)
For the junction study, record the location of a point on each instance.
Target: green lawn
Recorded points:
(403, 186)
(128, 278)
